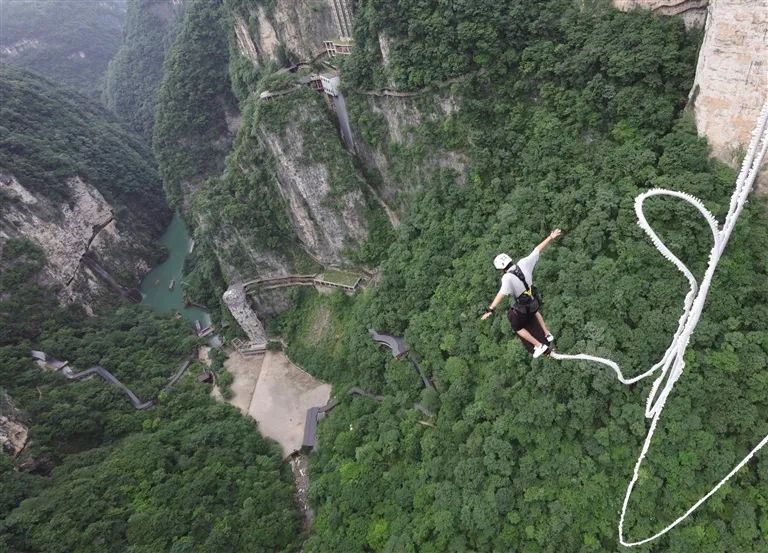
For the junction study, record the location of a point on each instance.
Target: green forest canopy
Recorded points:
(577, 112)
(136, 71)
(188, 475)
(49, 133)
(69, 42)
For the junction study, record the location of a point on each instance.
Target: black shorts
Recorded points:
(519, 320)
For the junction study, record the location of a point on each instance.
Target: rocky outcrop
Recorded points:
(731, 82)
(325, 221)
(297, 27)
(693, 12)
(732, 75)
(399, 118)
(244, 42)
(14, 428)
(86, 226)
(236, 301)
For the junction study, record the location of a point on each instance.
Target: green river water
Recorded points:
(155, 286)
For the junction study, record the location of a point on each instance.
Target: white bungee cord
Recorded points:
(673, 363)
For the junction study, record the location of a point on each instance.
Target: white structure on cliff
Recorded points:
(343, 17)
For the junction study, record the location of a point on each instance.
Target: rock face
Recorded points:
(732, 73)
(236, 300)
(294, 29)
(86, 223)
(325, 221)
(135, 73)
(693, 12)
(400, 118)
(13, 427)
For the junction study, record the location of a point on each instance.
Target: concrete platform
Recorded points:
(246, 371)
(280, 399)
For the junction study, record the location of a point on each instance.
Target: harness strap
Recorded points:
(515, 270)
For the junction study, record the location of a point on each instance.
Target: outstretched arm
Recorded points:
(496, 301)
(552, 235)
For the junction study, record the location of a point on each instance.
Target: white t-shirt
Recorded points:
(510, 284)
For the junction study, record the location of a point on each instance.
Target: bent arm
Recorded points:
(552, 235)
(497, 300)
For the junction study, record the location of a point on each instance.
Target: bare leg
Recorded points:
(541, 322)
(528, 337)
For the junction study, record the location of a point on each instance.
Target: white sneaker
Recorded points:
(539, 350)
(549, 338)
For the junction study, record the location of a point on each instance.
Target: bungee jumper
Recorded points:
(524, 314)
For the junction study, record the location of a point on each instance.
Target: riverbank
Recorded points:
(162, 288)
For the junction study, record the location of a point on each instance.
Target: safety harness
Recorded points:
(529, 301)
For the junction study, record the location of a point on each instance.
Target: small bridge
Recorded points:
(395, 343)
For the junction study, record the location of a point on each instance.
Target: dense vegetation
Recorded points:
(70, 42)
(191, 135)
(136, 71)
(188, 475)
(577, 112)
(577, 109)
(49, 133)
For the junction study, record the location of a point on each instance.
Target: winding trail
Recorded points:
(109, 377)
(673, 363)
(399, 350)
(313, 413)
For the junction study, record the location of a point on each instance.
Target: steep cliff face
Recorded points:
(79, 186)
(732, 75)
(85, 227)
(693, 12)
(732, 72)
(326, 217)
(290, 199)
(288, 31)
(390, 137)
(196, 111)
(14, 427)
(136, 71)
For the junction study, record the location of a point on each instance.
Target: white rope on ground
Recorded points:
(673, 363)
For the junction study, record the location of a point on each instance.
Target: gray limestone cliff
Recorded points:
(393, 127)
(93, 249)
(326, 206)
(14, 426)
(306, 207)
(288, 31)
(731, 81)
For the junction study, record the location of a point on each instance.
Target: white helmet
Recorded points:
(501, 261)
